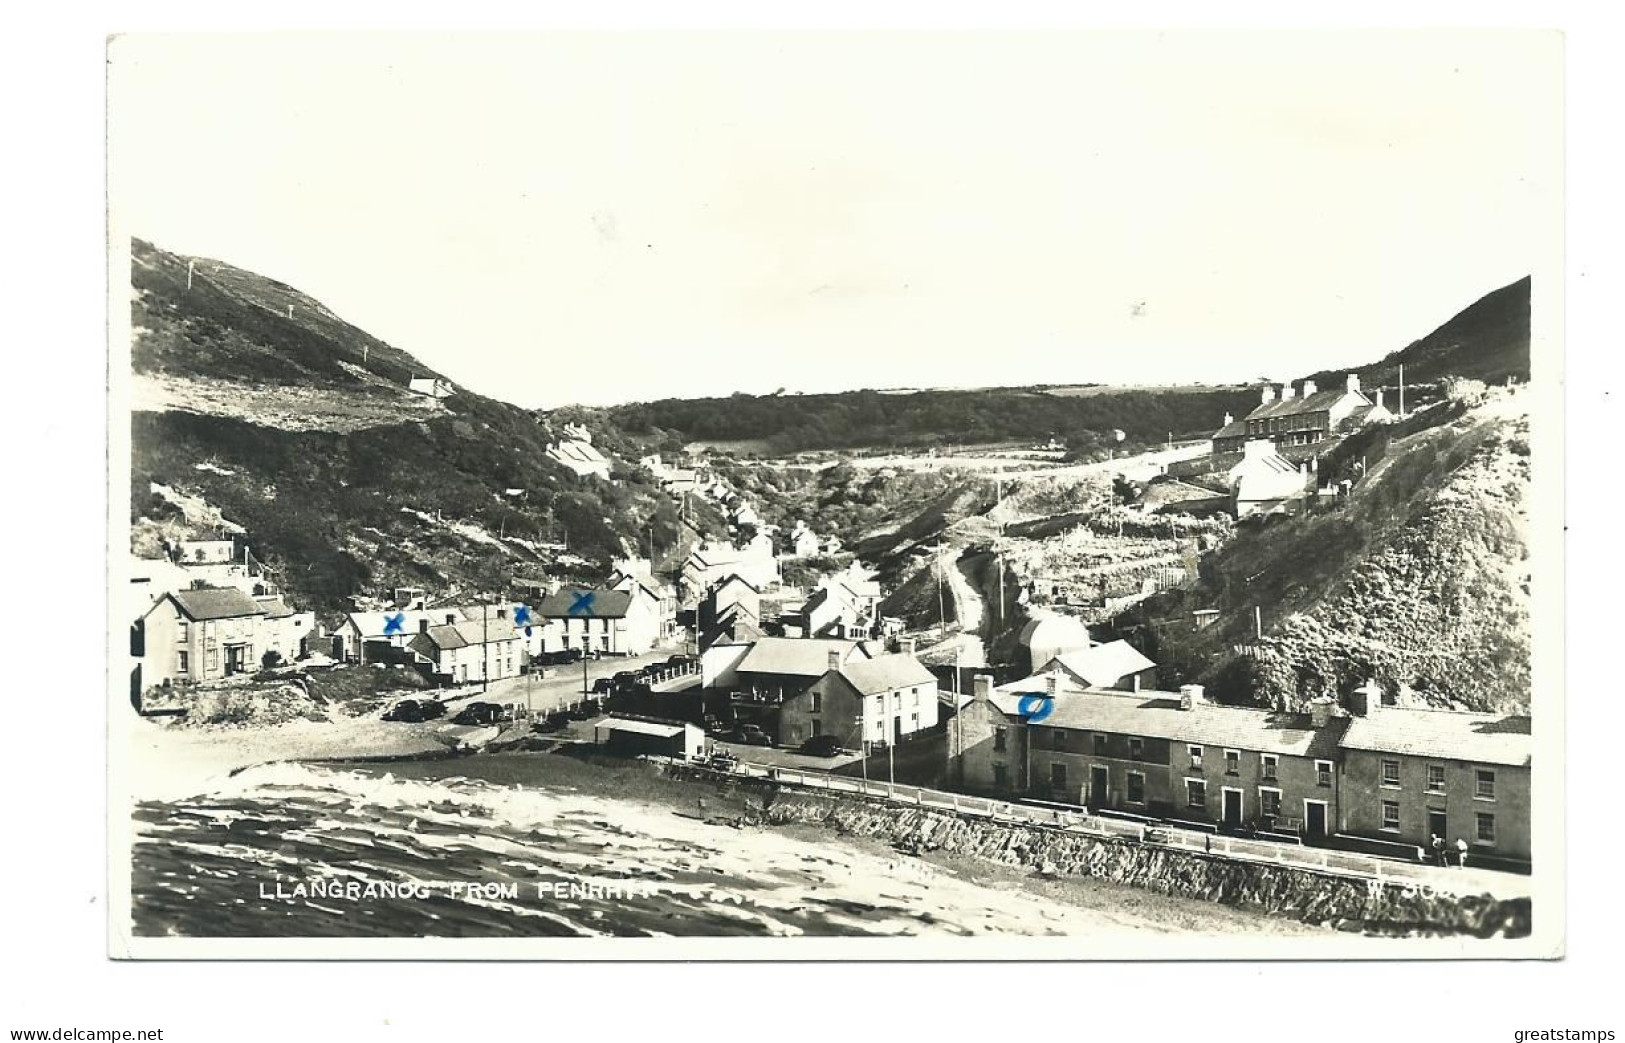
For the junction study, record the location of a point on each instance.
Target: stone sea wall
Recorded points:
(1311, 897)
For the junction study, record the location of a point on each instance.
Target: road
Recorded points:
(562, 686)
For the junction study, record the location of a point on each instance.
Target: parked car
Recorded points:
(821, 746)
(585, 711)
(715, 727)
(415, 710)
(553, 722)
(680, 660)
(603, 686)
(752, 735)
(480, 713)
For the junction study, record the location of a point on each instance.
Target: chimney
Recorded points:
(982, 687)
(1190, 695)
(1228, 420)
(502, 613)
(906, 645)
(451, 617)
(1286, 392)
(1366, 700)
(1379, 399)
(834, 659)
(1268, 394)
(1353, 381)
(1052, 684)
(1308, 388)
(1320, 711)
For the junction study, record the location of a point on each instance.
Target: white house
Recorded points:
(433, 387)
(601, 621)
(468, 651)
(1264, 482)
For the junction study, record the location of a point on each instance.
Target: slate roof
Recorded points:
(466, 633)
(1234, 429)
(1156, 715)
(885, 673)
(1318, 402)
(216, 603)
(604, 604)
(795, 656)
(1103, 665)
(1444, 734)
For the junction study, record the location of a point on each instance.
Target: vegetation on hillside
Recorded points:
(1487, 341)
(461, 500)
(855, 419)
(1419, 580)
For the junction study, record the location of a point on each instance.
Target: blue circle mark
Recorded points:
(1035, 706)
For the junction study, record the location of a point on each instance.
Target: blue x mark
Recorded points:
(394, 624)
(582, 605)
(521, 616)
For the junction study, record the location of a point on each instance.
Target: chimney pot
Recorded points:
(423, 625)
(1052, 683)
(1229, 419)
(1189, 696)
(982, 687)
(1286, 392)
(1267, 395)
(1320, 712)
(1354, 381)
(1309, 388)
(834, 659)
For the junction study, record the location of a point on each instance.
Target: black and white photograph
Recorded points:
(650, 495)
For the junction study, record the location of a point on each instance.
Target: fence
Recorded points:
(1296, 856)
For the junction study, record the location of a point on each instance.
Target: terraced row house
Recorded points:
(1376, 774)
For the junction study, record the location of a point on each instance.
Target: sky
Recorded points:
(614, 217)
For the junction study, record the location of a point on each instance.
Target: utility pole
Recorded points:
(1402, 391)
(190, 267)
(1258, 621)
(863, 740)
(485, 649)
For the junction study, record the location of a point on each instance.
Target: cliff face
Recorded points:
(1314, 898)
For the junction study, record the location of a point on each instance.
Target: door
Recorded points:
(1232, 809)
(236, 659)
(897, 729)
(1099, 785)
(1437, 824)
(1314, 819)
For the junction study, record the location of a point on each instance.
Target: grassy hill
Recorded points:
(301, 431)
(785, 424)
(1488, 341)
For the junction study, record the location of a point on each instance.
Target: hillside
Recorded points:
(1488, 341)
(1419, 580)
(783, 424)
(300, 430)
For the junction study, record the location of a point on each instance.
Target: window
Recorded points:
(1001, 776)
(1323, 773)
(182, 631)
(1269, 802)
(1390, 773)
(1390, 816)
(1136, 788)
(1232, 762)
(1435, 778)
(1267, 766)
(1486, 828)
(1057, 775)
(1196, 756)
(1486, 784)
(817, 725)
(212, 660)
(183, 662)
(1136, 749)
(817, 701)
(1195, 793)
(1100, 745)
(916, 697)
(999, 739)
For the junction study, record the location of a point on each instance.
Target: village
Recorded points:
(705, 655)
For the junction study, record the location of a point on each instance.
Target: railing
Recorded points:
(1144, 831)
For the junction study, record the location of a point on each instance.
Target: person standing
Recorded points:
(1461, 853)
(1437, 843)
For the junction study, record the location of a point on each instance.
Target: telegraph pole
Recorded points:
(863, 740)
